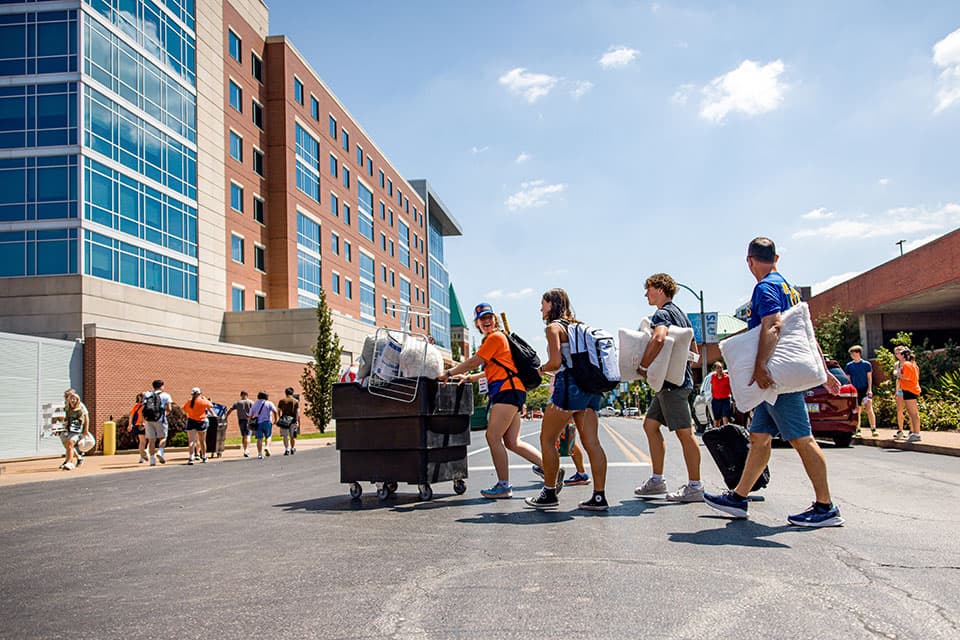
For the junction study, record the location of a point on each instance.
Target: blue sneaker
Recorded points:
(497, 491)
(577, 479)
(817, 517)
(538, 470)
(727, 502)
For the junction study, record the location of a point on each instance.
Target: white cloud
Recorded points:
(618, 56)
(832, 281)
(523, 157)
(498, 294)
(532, 86)
(533, 194)
(478, 150)
(581, 87)
(893, 222)
(654, 7)
(750, 89)
(946, 55)
(883, 182)
(682, 94)
(817, 214)
(919, 242)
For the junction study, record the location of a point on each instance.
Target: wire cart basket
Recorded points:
(386, 377)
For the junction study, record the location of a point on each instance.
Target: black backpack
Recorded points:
(525, 359)
(152, 407)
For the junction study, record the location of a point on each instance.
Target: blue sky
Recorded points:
(588, 145)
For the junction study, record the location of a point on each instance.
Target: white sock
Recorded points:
(657, 477)
(695, 484)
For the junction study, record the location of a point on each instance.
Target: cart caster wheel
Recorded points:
(391, 487)
(426, 492)
(384, 492)
(356, 491)
(460, 487)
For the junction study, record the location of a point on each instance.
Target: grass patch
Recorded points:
(304, 436)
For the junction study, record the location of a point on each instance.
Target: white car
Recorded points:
(631, 411)
(608, 411)
(702, 408)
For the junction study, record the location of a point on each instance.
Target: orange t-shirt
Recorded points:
(199, 409)
(910, 377)
(496, 347)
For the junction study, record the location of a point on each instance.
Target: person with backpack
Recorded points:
(289, 421)
(135, 425)
(566, 337)
(507, 395)
(263, 413)
(787, 416)
(671, 405)
(196, 409)
(156, 408)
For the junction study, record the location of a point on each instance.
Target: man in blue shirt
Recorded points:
(788, 415)
(860, 373)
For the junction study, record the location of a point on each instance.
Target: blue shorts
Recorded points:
(196, 425)
(786, 417)
(510, 396)
(244, 429)
(264, 430)
(722, 408)
(568, 396)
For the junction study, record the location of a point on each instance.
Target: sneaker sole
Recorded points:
(832, 522)
(591, 507)
(499, 496)
(575, 483)
(685, 500)
(739, 514)
(654, 496)
(541, 507)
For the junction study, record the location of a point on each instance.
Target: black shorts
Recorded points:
(861, 394)
(910, 395)
(196, 425)
(510, 396)
(722, 408)
(244, 429)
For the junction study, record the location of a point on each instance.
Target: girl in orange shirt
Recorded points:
(908, 378)
(196, 410)
(507, 397)
(136, 425)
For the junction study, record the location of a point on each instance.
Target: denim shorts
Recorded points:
(722, 408)
(264, 430)
(196, 425)
(510, 396)
(787, 417)
(567, 396)
(244, 429)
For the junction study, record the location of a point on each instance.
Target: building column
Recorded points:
(871, 333)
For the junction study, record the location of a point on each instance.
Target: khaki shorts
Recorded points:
(155, 429)
(672, 408)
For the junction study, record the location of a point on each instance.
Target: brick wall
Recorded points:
(115, 371)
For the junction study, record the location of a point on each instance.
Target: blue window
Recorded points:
(335, 244)
(364, 211)
(333, 166)
(308, 163)
(333, 127)
(119, 261)
(381, 179)
(404, 290)
(234, 44)
(334, 205)
(383, 211)
(38, 115)
(38, 253)
(314, 108)
(236, 96)
(236, 248)
(383, 242)
(346, 214)
(346, 139)
(236, 298)
(389, 187)
(308, 261)
(347, 251)
(33, 43)
(399, 198)
(360, 156)
(236, 197)
(348, 289)
(346, 177)
(403, 238)
(369, 166)
(298, 90)
(236, 147)
(335, 282)
(256, 67)
(368, 293)
(42, 188)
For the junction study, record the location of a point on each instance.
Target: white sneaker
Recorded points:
(651, 487)
(160, 457)
(686, 493)
(190, 458)
(142, 460)
(69, 466)
(153, 461)
(246, 454)
(913, 437)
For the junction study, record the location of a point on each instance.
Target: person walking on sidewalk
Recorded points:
(76, 423)
(567, 401)
(787, 416)
(898, 395)
(671, 405)
(242, 407)
(196, 409)
(860, 373)
(135, 425)
(507, 397)
(156, 409)
(720, 403)
(289, 421)
(263, 413)
(910, 385)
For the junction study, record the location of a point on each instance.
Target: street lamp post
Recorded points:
(703, 329)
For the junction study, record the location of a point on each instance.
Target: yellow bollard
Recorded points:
(109, 438)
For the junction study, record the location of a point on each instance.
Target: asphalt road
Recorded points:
(277, 549)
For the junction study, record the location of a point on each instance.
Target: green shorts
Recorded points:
(672, 408)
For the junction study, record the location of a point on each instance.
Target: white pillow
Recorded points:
(677, 368)
(366, 357)
(795, 365)
(420, 359)
(632, 346)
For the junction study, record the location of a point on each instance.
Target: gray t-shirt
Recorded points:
(671, 315)
(242, 407)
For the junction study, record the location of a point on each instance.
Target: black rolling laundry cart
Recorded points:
(387, 441)
(216, 430)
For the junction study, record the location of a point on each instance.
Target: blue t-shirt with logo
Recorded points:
(857, 372)
(772, 295)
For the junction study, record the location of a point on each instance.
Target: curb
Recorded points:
(903, 446)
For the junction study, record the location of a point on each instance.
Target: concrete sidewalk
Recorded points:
(945, 443)
(43, 469)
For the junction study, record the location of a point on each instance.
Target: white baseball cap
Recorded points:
(195, 390)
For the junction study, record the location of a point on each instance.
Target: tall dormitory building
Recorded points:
(177, 186)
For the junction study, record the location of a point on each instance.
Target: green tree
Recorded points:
(455, 354)
(836, 332)
(320, 374)
(539, 397)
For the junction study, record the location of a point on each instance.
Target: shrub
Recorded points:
(125, 439)
(178, 439)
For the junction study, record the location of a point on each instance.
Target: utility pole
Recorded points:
(703, 329)
(900, 244)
